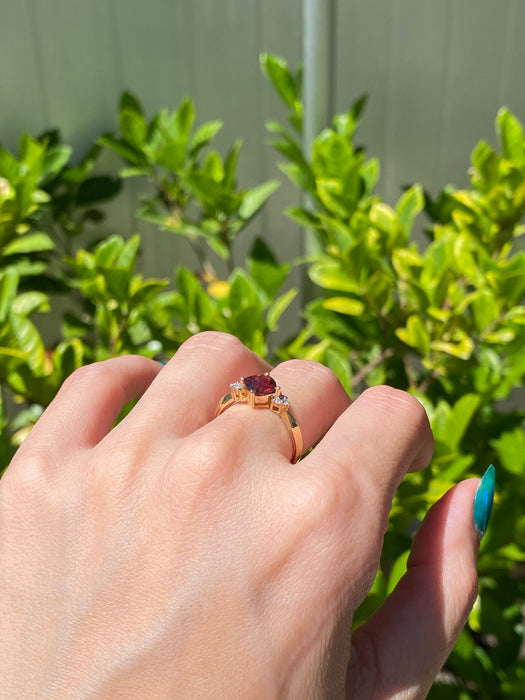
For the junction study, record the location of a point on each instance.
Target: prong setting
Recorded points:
(261, 391)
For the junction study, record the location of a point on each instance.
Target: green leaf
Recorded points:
(331, 276)
(510, 447)
(8, 288)
(132, 121)
(204, 135)
(384, 217)
(29, 340)
(230, 165)
(242, 291)
(55, 159)
(277, 71)
(370, 172)
(265, 270)
(68, 356)
(486, 162)
(410, 204)
(130, 154)
(30, 302)
(278, 307)
(31, 243)
(344, 305)
(144, 291)
(9, 166)
(460, 417)
(255, 198)
(336, 358)
(345, 124)
(461, 345)
(415, 335)
(185, 117)
(107, 251)
(333, 156)
(406, 262)
(171, 156)
(398, 571)
(329, 191)
(303, 217)
(213, 169)
(465, 262)
(511, 136)
(97, 189)
(126, 257)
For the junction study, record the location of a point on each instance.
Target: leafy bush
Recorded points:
(444, 320)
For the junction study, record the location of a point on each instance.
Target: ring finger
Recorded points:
(316, 399)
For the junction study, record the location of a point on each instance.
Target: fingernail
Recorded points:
(161, 362)
(483, 500)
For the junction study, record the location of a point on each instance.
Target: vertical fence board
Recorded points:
(279, 33)
(417, 60)
(23, 102)
(478, 29)
(362, 40)
(153, 58)
(77, 68)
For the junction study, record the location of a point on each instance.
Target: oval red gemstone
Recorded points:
(260, 384)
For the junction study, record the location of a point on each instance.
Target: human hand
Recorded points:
(181, 556)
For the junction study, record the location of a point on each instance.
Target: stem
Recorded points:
(427, 382)
(365, 371)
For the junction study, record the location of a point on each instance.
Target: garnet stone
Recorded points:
(260, 384)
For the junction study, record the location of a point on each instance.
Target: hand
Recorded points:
(181, 556)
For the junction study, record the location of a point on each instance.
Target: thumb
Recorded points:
(400, 649)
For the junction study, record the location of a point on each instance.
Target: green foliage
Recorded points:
(194, 190)
(444, 320)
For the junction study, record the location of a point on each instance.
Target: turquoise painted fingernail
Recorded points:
(483, 500)
(161, 362)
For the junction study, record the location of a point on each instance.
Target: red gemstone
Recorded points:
(260, 384)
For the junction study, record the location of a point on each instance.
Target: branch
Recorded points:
(365, 371)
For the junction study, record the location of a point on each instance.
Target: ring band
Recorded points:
(261, 391)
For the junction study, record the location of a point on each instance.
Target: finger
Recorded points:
(399, 651)
(316, 399)
(381, 436)
(88, 403)
(185, 396)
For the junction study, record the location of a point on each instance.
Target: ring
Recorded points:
(261, 391)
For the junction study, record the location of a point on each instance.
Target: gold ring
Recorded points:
(261, 391)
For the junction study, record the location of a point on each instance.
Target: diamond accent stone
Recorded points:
(260, 384)
(281, 400)
(236, 385)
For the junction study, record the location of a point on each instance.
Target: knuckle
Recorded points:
(310, 368)
(321, 500)
(96, 373)
(395, 400)
(116, 469)
(220, 342)
(205, 462)
(25, 481)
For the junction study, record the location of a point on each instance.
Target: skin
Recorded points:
(181, 556)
